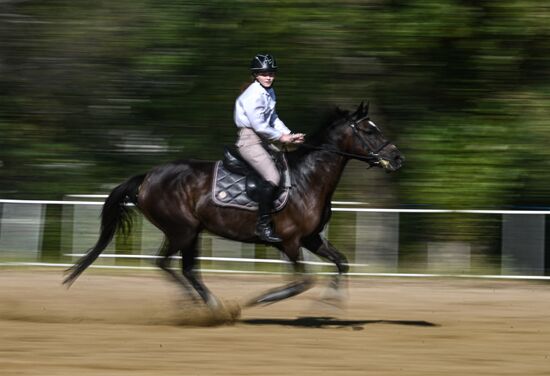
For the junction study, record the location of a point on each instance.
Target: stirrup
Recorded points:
(265, 233)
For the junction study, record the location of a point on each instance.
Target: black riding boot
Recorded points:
(264, 228)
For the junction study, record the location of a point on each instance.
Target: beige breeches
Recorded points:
(251, 149)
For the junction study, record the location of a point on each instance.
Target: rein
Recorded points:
(373, 158)
(339, 152)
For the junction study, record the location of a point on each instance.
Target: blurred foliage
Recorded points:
(94, 91)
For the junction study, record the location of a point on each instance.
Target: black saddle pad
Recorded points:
(229, 189)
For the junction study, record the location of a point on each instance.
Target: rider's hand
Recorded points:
(296, 138)
(285, 138)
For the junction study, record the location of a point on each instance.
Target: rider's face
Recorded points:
(266, 78)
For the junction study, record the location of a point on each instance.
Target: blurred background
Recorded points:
(92, 92)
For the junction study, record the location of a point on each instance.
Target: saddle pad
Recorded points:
(228, 189)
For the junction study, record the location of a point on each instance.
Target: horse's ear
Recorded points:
(359, 112)
(363, 108)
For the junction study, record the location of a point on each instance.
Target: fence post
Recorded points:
(523, 241)
(21, 230)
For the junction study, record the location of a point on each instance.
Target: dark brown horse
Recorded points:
(177, 199)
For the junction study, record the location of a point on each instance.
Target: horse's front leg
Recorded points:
(322, 248)
(301, 283)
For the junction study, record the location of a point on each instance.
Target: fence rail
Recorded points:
(377, 241)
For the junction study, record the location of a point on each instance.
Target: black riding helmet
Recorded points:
(263, 63)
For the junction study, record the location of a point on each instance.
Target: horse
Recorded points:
(177, 199)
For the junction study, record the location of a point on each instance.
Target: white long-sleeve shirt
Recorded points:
(255, 108)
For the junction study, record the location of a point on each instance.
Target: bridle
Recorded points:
(373, 157)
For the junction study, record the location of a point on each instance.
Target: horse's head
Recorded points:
(361, 139)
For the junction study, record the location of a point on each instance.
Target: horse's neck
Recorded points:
(320, 172)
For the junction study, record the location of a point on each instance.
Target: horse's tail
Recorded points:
(114, 216)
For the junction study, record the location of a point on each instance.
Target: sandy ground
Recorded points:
(138, 324)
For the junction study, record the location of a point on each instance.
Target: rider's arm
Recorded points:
(259, 115)
(278, 124)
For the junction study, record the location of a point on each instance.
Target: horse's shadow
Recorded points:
(331, 322)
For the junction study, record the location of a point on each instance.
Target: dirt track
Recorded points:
(134, 325)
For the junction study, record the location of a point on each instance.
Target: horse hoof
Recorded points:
(233, 308)
(333, 299)
(225, 313)
(334, 296)
(213, 303)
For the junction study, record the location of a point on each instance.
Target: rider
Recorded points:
(259, 125)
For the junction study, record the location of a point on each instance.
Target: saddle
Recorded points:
(236, 183)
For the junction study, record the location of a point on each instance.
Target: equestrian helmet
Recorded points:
(263, 63)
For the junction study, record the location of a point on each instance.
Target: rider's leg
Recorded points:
(266, 197)
(251, 149)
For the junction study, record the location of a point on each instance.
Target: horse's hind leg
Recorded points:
(166, 252)
(186, 244)
(188, 262)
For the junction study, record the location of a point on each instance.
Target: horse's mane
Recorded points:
(319, 136)
(328, 121)
(322, 134)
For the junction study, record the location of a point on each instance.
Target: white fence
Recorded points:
(371, 238)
